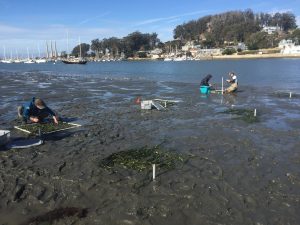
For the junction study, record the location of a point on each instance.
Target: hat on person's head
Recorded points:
(39, 103)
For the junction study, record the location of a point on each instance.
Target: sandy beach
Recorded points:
(237, 172)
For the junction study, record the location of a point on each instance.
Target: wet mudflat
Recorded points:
(236, 172)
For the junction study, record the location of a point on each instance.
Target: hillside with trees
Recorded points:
(130, 45)
(211, 31)
(235, 26)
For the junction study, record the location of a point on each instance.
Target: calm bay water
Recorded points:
(283, 74)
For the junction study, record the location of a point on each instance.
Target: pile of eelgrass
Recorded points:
(141, 159)
(43, 128)
(246, 115)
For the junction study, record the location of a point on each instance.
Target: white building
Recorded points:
(156, 51)
(271, 29)
(288, 47)
(189, 45)
(209, 52)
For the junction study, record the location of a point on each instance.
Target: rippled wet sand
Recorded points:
(239, 173)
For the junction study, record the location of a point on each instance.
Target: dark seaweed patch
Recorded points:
(246, 115)
(142, 159)
(57, 214)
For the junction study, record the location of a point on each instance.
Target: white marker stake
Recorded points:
(222, 84)
(290, 94)
(254, 112)
(153, 167)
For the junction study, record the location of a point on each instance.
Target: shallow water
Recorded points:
(281, 74)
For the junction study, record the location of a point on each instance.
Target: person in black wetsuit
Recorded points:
(205, 80)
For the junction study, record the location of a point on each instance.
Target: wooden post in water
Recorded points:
(153, 169)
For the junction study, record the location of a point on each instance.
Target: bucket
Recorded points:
(4, 137)
(205, 89)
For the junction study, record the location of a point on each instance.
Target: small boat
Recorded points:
(6, 61)
(40, 60)
(29, 61)
(74, 61)
(168, 59)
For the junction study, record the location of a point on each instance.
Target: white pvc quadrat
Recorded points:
(74, 125)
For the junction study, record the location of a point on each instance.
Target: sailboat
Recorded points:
(78, 60)
(17, 60)
(40, 60)
(28, 61)
(6, 60)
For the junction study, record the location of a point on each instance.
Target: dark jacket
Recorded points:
(29, 109)
(205, 80)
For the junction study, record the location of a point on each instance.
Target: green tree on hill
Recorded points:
(84, 50)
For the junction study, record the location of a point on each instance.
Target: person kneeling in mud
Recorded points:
(36, 111)
(233, 83)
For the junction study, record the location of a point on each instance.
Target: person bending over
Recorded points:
(205, 80)
(233, 83)
(36, 111)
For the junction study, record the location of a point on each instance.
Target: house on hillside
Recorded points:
(189, 45)
(271, 29)
(288, 47)
(232, 45)
(156, 53)
(209, 52)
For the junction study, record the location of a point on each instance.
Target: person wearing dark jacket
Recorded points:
(205, 80)
(36, 111)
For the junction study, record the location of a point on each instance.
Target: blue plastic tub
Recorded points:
(205, 89)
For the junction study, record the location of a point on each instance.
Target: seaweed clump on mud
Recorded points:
(45, 128)
(246, 115)
(141, 159)
(57, 214)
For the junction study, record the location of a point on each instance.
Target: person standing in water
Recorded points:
(233, 83)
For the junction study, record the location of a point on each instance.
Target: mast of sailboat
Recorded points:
(55, 49)
(51, 49)
(17, 54)
(79, 49)
(68, 55)
(39, 51)
(47, 49)
(28, 53)
(4, 52)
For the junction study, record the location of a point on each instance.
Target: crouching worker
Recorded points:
(205, 80)
(233, 83)
(36, 111)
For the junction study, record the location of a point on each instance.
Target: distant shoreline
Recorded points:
(229, 57)
(256, 56)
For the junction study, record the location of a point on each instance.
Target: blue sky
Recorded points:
(28, 24)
